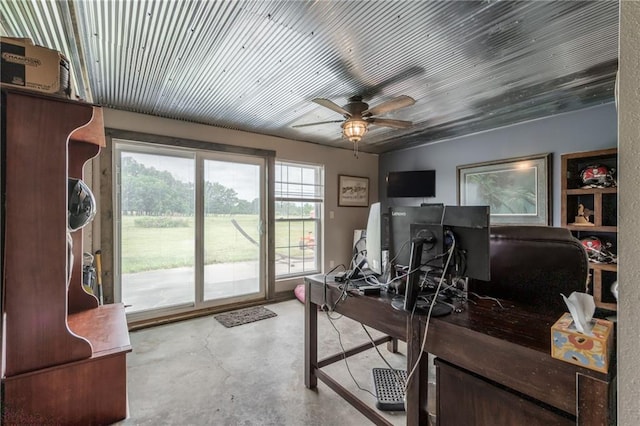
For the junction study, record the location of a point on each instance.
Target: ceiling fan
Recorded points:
(358, 116)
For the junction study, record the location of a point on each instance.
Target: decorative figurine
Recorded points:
(582, 219)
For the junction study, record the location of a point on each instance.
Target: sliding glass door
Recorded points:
(188, 228)
(156, 224)
(232, 226)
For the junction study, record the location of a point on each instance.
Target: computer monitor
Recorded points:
(469, 225)
(374, 239)
(400, 220)
(427, 246)
(465, 229)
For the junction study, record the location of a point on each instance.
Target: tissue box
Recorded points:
(568, 344)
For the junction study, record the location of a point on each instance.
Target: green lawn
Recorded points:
(146, 249)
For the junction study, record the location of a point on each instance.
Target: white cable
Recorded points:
(399, 251)
(433, 302)
(487, 297)
(344, 357)
(400, 277)
(394, 370)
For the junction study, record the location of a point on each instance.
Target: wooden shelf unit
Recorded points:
(64, 355)
(604, 204)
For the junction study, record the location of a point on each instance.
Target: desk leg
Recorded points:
(416, 400)
(392, 345)
(310, 339)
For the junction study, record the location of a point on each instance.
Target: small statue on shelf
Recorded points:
(582, 219)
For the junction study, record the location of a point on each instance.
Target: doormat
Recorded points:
(244, 316)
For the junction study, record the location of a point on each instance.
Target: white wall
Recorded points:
(629, 215)
(338, 232)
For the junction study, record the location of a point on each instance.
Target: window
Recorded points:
(299, 193)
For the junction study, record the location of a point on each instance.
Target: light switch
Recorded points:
(331, 214)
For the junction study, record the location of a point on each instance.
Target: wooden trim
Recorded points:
(187, 143)
(167, 319)
(591, 228)
(106, 220)
(597, 153)
(93, 131)
(588, 191)
(613, 267)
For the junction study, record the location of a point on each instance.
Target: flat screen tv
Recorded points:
(416, 183)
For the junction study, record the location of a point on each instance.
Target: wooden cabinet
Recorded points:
(601, 206)
(64, 355)
(467, 399)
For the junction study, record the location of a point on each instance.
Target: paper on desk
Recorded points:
(582, 307)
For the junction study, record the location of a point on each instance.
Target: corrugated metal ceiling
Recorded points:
(256, 65)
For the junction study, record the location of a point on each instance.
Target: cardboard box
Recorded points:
(593, 352)
(33, 67)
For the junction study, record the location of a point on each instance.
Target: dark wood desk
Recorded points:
(493, 365)
(375, 312)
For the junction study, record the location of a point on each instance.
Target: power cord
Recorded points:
(344, 356)
(325, 305)
(489, 298)
(433, 302)
(405, 273)
(395, 370)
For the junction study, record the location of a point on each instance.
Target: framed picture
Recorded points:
(515, 189)
(353, 191)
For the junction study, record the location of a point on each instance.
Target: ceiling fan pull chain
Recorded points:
(355, 149)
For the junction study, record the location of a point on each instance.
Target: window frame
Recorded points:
(317, 200)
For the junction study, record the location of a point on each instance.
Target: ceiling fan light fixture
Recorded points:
(354, 129)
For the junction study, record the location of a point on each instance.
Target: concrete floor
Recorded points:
(198, 372)
(174, 286)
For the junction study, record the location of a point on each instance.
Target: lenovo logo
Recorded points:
(398, 213)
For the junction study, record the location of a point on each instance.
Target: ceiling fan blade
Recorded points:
(332, 106)
(390, 105)
(319, 122)
(387, 122)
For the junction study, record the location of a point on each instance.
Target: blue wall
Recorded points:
(584, 130)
